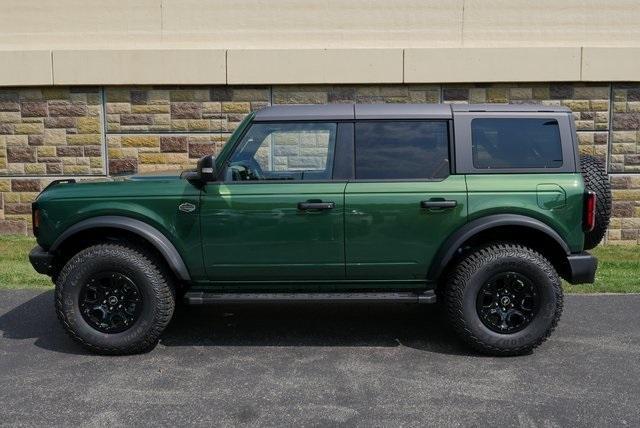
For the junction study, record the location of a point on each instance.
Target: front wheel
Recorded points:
(114, 299)
(504, 299)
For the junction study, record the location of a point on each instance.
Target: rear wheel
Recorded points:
(113, 299)
(504, 299)
(596, 180)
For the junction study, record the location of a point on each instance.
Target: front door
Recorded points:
(277, 215)
(403, 203)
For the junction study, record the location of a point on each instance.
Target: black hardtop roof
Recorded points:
(389, 111)
(306, 112)
(508, 108)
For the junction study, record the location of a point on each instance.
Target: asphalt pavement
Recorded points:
(321, 365)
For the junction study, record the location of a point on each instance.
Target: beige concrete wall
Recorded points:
(84, 42)
(142, 66)
(551, 23)
(617, 64)
(281, 66)
(247, 24)
(317, 66)
(30, 67)
(491, 65)
(87, 23)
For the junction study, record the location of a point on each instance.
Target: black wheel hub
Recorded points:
(110, 302)
(507, 302)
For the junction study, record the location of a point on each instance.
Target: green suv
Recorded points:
(480, 207)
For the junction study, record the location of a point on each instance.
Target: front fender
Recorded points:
(140, 228)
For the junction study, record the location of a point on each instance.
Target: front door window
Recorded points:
(284, 151)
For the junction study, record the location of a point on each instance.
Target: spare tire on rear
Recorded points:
(596, 180)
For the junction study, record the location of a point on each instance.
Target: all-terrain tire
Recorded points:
(148, 274)
(466, 281)
(596, 180)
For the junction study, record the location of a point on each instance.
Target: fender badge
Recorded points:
(186, 207)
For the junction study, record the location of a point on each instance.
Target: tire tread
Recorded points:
(596, 179)
(164, 291)
(459, 278)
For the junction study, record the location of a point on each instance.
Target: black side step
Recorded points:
(206, 298)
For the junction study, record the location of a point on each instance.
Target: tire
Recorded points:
(466, 289)
(152, 287)
(596, 180)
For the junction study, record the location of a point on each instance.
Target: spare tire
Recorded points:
(596, 180)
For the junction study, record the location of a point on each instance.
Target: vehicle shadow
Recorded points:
(420, 327)
(36, 319)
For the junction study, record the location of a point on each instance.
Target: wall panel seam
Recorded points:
(462, 23)
(226, 66)
(581, 61)
(105, 148)
(53, 77)
(610, 130)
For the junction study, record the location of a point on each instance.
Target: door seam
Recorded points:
(344, 228)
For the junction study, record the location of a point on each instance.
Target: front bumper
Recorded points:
(582, 268)
(41, 260)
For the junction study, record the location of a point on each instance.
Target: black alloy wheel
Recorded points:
(110, 302)
(507, 302)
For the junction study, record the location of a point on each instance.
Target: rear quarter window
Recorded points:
(504, 143)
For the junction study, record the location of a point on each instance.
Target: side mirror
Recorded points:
(205, 171)
(207, 168)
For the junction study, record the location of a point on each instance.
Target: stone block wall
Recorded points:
(624, 163)
(625, 153)
(156, 128)
(51, 132)
(16, 196)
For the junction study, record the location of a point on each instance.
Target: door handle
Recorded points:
(317, 206)
(435, 203)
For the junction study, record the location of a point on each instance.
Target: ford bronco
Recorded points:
(480, 207)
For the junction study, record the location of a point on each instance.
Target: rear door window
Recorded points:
(401, 150)
(504, 143)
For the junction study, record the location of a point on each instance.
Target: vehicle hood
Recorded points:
(139, 186)
(155, 175)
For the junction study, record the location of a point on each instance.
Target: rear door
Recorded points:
(403, 202)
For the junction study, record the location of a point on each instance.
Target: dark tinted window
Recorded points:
(516, 143)
(402, 150)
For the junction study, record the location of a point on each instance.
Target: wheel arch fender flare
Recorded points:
(144, 230)
(448, 249)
